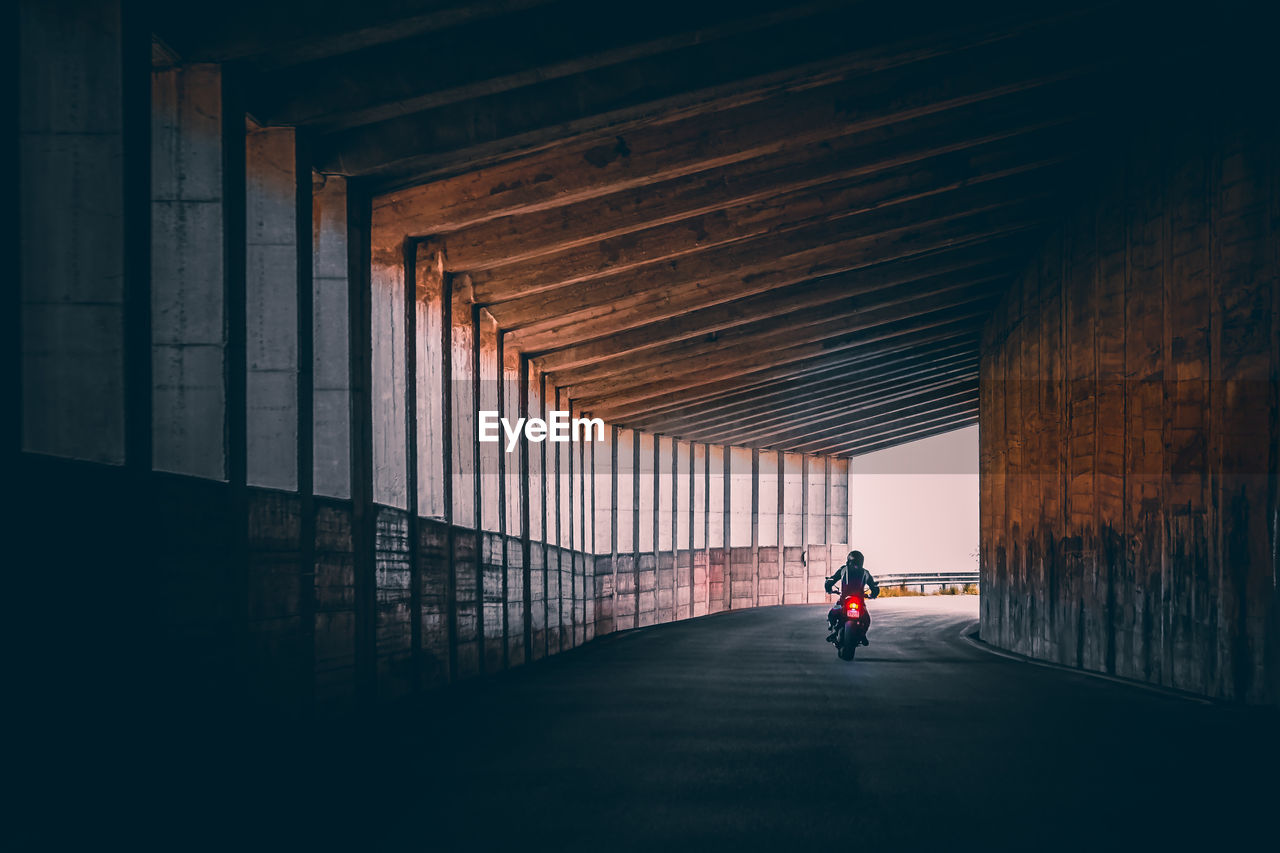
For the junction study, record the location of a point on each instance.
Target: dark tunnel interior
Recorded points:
(439, 419)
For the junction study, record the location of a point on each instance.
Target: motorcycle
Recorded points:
(851, 631)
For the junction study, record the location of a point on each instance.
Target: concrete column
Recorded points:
(664, 523)
(636, 491)
(190, 251)
(780, 520)
(73, 228)
(793, 500)
(685, 507)
(429, 376)
(717, 508)
(804, 506)
(564, 523)
(331, 361)
(815, 530)
(387, 316)
(589, 534)
(615, 518)
(271, 308)
(461, 423)
(659, 520)
(728, 527)
(624, 530)
(571, 527)
(512, 472)
(526, 513)
(702, 527)
(477, 486)
(838, 500)
(488, 372)
(755, 527)
(715, 528)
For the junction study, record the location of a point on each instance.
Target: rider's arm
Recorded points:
(831, 581)
(875, 587)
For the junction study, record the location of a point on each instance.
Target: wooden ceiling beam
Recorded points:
(590, 312)
(520, 237)
(276, 35)
(582, 143)
(464, 63)
(903, 435)
(781, 402)
(753, 353)
(890, 426)
(762, 415)
(971, 263)
(837, 421)
(606, 400)
(686, 401)
(810, 325)
(775, 219)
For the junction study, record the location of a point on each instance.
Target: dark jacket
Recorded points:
(853, 581)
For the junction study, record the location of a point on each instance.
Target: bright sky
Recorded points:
(915, 507)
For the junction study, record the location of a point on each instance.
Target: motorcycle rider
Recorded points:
(854, 580)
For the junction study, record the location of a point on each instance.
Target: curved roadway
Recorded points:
(744, 731)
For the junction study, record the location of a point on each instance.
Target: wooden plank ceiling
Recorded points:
(772, 224)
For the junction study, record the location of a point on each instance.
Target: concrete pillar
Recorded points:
(731, 527)
(615, 518)
(780, 480)
(589, 538)
(684, 506)
(657, 576)
(793, 500)
(462, 415)
(838, 500)
(664, 519)
(75, 226)
(717, 507)
(387, 316)
(767, 510)
(637, 489)
(755, 527)
(702, 528)
(271, 307)
(331, 368)
(624, 527)
(513, 474)
(193, 303)
(815, 501)
(429, 379)
(804, 509)
(487, 388)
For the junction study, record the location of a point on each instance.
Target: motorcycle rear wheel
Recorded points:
(847, 642)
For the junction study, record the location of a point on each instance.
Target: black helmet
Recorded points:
(855, 557)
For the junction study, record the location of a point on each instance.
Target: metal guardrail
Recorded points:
(927, 578)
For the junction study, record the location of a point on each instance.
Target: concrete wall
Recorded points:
(1129, 423)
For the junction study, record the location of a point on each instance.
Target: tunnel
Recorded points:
(414, 393)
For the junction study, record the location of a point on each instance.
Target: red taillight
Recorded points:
(853, 606)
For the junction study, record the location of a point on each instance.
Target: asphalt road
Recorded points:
(744, 730)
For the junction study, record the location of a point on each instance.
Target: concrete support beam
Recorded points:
(195, 141)
(75, 223)
(331, 340)
(837, 476)
(272, 244)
